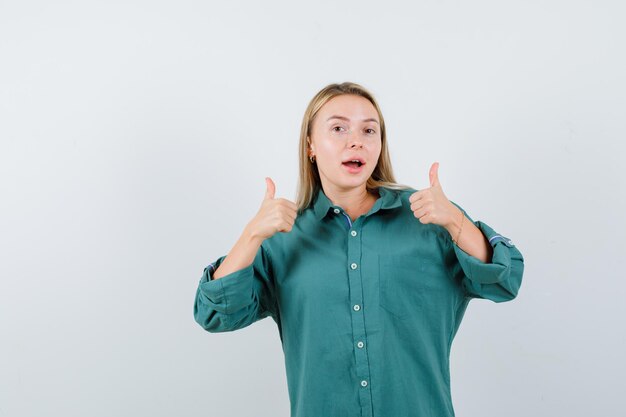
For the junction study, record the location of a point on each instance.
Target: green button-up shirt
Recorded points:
(366, 310)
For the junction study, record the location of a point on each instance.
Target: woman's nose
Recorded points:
(355, 140)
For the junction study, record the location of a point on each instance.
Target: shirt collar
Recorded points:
(388, 199)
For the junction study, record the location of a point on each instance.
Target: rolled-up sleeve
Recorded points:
(498, 280)
(238, 299)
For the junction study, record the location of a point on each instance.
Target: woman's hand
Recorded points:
(430, 205)
(275, 215)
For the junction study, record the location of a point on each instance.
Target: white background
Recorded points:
(135, 138)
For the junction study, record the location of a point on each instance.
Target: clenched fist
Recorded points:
(275, 214)
(430, 205)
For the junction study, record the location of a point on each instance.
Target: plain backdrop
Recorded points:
(136, 135)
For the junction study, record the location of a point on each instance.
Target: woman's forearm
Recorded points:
(240, 256)
(471, 240)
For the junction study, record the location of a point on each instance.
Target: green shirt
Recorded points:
(366, 310)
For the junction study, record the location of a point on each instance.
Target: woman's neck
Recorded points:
(355, 202)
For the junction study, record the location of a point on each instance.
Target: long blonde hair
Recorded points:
(309, 182)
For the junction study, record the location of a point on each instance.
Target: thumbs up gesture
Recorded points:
(430, 205)
(274, 215)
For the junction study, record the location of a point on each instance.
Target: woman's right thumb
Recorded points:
(271, 188)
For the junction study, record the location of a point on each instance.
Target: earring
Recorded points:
(312, 158)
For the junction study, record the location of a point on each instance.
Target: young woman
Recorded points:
(368, 280)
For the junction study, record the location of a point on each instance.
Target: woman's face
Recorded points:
(347, 127)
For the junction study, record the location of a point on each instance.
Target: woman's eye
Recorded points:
(372, 131)
(337, 127)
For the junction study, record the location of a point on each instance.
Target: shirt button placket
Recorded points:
(355, 276)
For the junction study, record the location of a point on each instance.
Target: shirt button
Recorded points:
(364, 383)
(360, 344)
(357, 307)
(336, 211)
(353, 266)
(353, 233)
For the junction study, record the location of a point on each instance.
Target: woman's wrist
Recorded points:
(454, 226)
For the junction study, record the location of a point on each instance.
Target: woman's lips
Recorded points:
(352, 167)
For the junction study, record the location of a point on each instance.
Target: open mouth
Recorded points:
(352, 164)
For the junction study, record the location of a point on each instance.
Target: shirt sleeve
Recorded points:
(498, 280)
(238, 299)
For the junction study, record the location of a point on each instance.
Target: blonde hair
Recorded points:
(309, 182)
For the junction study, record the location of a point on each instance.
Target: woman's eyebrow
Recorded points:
(345, 118)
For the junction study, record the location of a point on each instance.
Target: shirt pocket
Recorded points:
(409, 285)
